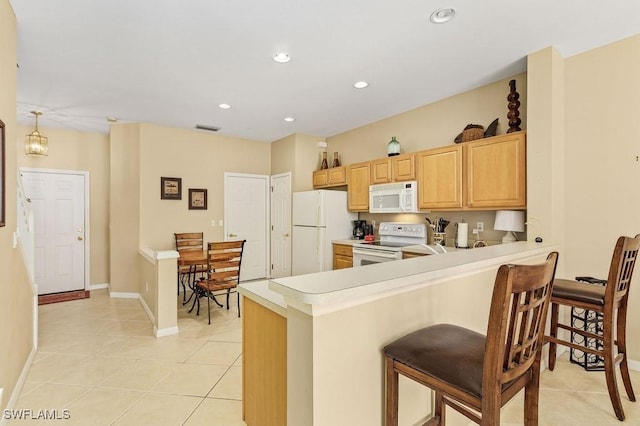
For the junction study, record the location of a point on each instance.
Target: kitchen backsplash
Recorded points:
(490, 236)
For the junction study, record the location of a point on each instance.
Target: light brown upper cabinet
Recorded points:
(398, 168)
(440, 178)
(495, 172)
(335, 176)
(358, 179)
(381, 171)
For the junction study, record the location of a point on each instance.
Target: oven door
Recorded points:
(369, 256)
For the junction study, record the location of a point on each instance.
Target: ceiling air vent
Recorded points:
(209, 128)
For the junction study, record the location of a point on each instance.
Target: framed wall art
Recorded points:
(197, 199)
(2, 176)
(170, 188)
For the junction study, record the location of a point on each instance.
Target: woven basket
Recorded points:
(472, 134)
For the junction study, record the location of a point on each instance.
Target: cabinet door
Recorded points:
(440, 178)
(342, 256)
(320, 178)
(403, 167)
(496, 172)
(337, 176)
(381, 170)
(358, 178)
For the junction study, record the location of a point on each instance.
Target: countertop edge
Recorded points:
(423, 273)
(259, 292)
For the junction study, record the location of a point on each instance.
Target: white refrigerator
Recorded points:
(319, 217)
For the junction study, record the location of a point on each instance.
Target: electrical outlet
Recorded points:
(213, 222)
(474, 231)
(220, 222)
(146, 286)
(480, 226)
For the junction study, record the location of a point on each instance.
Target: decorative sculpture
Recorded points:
(514, 104)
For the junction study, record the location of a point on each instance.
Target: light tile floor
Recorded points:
(99, 360)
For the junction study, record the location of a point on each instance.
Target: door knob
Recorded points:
(286, 235)
(80, 238)
(232, 235)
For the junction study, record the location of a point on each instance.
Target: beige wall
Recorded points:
(297, 153)
(601, 167)
(17, 301)
(140, 155)
(200, 159)
(432, 125)
(80, 151)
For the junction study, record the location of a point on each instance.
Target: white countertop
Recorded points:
(347, 242)
(332, 290)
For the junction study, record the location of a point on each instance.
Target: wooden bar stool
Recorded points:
(610, 301)
(469, 371)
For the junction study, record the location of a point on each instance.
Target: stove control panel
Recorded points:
(400, 229)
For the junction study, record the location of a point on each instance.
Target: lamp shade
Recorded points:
(510, 221)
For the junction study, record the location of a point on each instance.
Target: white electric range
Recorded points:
(392, 237)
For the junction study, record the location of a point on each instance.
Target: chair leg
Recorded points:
(438, 410)
(238, 295)
(622, 348)
(531, 396)
(392, 394)
(553, 332)
(610, 376)
(209, 308)
(228, 293)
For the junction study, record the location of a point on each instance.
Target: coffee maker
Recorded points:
(359, 229)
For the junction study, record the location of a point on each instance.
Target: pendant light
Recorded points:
(34, 143)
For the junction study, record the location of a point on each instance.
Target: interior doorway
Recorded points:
(246, 216)
(281, 225)
(59, 199)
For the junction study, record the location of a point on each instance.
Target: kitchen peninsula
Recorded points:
(333, 325)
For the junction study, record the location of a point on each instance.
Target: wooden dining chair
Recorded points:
(186, 241)
(609, 302)
(223, 277)
(470, 371)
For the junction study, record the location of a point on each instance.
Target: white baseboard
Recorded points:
(98, 286)
(19, 384)
(148, 311)
(123, 295)
(163, 332)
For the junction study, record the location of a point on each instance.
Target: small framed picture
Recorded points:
(170, 188)
(197, 199)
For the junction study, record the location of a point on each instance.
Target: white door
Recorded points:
(246, 216)
(58, 203)
(281, 225)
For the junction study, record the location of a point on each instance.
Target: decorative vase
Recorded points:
(513, 115)
(336, 161)
(324, 164)
(393, 147)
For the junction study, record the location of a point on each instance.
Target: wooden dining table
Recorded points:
(192, 259)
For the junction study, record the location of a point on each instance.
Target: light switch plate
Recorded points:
(1, 396)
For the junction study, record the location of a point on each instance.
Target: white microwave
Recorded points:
(399, 197)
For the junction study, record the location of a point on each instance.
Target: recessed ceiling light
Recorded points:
(281, 57)
(289, 119)
(112, 120)
(360, 84)
(224, 106)
(441, 16)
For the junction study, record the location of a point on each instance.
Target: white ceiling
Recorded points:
(172, 62)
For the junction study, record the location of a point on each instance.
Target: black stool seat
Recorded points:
(452, 354)
(578, 291)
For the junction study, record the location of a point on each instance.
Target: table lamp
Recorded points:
(510, 221)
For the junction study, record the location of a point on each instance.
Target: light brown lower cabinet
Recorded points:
(409, 255)
(342, 256)
(264, 366)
